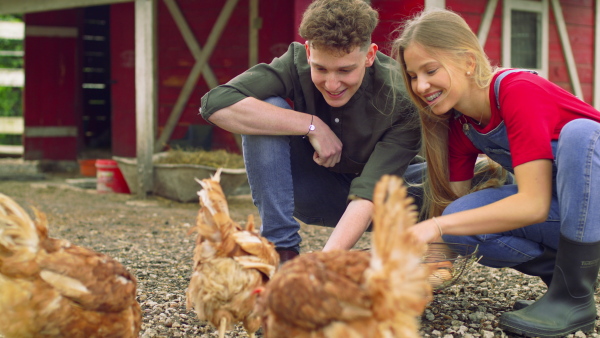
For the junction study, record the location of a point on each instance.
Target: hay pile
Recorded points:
(214, 158)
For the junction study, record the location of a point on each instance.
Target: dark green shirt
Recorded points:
(378, 126)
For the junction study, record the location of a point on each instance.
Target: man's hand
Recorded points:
(328, 147)
(352, 225)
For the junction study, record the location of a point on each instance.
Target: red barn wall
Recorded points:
(391, 14)
(122, 63)
(52, 93)
(229, 58)
(579, 19)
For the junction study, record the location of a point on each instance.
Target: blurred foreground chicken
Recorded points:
(230, 261)
(355, 293)
(52, 288)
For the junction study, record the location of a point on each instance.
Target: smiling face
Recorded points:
(439, 86)
(338, 76)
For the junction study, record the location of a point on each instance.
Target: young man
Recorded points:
(350, 124)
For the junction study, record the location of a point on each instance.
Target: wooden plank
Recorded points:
(11, 150)
(12, 77)
(12, 30)
(486, 22)
(255, 24)
(190, 83)
(145, 92)
(191, 42)
(13, 125)
(567, 51)
(47, 131)
(31, 6)
(51, 31)
(435, 4)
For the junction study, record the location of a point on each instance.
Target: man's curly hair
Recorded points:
(339, 25)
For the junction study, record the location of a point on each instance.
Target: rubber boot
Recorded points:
(541, 266)
(568, 305)
(286, 255)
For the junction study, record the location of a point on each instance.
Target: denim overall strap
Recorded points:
(495, 142)
(501, 76)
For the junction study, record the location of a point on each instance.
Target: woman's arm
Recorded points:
(529, 205)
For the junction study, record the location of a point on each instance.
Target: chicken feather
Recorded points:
(52, 288)
(230, 262)
(355, 293)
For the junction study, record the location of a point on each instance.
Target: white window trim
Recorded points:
(435, 4)
(529, 6)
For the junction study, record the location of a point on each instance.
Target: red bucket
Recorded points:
(87, 168)
(110, 178)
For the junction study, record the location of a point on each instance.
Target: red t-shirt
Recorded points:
(534, 111)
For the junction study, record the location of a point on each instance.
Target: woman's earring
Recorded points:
(468, 73)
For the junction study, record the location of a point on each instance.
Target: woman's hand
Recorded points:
(427, 231)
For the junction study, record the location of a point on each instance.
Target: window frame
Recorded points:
(540, 7)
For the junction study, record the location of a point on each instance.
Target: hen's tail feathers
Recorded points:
(396, 253)
(18, 232)
(213, 221)
(220, 236)
(394, 213)
(215, 210)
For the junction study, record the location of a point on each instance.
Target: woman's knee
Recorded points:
(577, 133)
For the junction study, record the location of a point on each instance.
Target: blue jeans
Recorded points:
(285, 183)
(574, 210)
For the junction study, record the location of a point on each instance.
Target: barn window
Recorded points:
(525, 35)
(525, 39)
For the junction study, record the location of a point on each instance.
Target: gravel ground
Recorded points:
(150, 238)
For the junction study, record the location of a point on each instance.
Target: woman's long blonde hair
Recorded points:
(447, 37)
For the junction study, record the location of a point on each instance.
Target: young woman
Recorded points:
(548, 223)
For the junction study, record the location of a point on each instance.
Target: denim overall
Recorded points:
(574, 210)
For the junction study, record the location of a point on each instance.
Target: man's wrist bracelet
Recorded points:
(311, 127)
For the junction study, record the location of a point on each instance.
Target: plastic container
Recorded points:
(110, 178)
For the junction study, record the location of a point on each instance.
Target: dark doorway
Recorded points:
(96, 80)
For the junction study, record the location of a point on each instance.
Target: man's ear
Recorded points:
(371, 53)
(307, 47)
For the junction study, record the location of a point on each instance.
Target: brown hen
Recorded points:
(230, 262)
(355, 293)
(52, 288)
